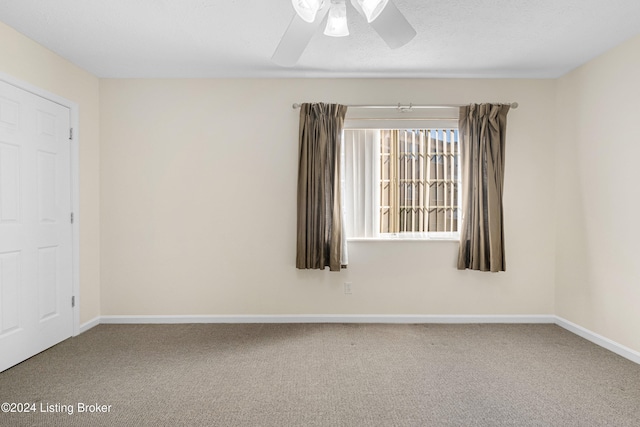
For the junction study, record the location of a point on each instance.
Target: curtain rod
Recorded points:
(408, 108)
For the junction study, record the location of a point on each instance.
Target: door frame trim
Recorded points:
(75, 183)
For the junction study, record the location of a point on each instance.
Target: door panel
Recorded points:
(10, 292)
(9, 183)
(35, 228)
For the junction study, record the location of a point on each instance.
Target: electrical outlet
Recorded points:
(347, 288)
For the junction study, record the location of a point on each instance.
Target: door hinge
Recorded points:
(73, 301)
(71, 217)
(70, 133)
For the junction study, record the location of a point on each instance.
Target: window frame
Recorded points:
(395, 120)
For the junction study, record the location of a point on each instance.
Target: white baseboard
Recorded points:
(610, 345)
(90, 324)
(330, 318)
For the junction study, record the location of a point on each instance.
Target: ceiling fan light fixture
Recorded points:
(372, 8)
(307, 9)
(337, 21)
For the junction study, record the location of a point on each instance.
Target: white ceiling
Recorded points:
(236, 38)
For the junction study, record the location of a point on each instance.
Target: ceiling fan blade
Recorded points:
(391, 25)
(297, 37)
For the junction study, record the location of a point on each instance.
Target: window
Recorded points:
(402, 183)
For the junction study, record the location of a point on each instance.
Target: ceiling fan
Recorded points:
(383, 16)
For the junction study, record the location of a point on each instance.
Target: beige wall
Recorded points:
(598, 270)
(27, 61)
(198, 187)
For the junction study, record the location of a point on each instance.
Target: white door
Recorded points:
(35, 225)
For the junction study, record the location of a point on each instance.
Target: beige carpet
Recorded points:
(325, 375)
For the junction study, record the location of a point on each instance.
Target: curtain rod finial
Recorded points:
(295, 106)
(514, 105)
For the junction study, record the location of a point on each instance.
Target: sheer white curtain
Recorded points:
(361, 182)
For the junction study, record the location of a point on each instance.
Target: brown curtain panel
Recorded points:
(319, 201)
(482, 130)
